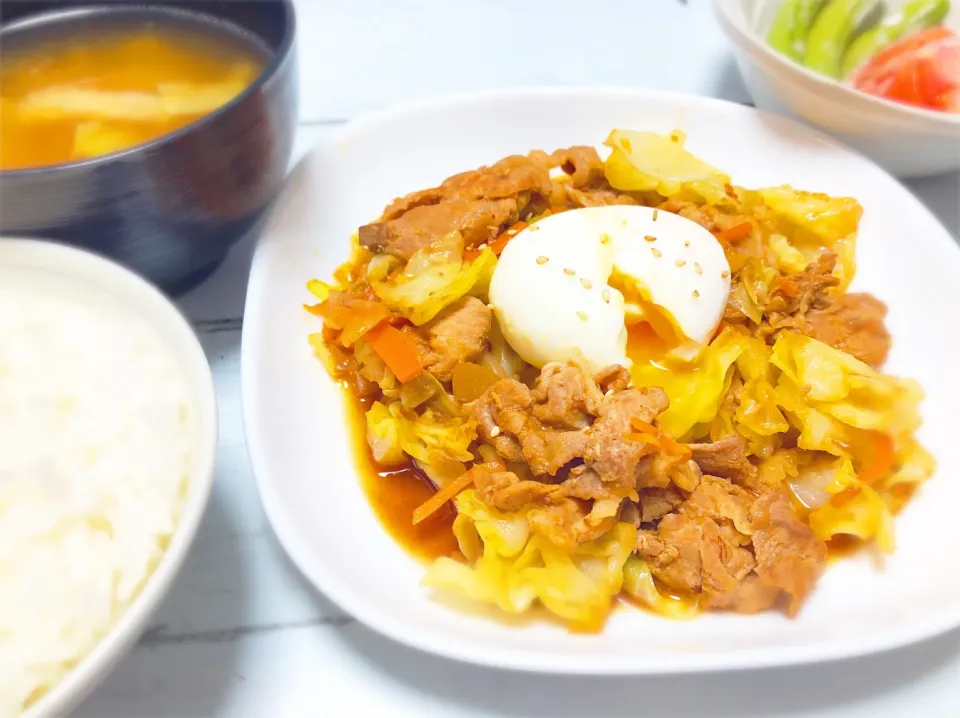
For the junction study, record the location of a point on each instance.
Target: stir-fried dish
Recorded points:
(630, 378)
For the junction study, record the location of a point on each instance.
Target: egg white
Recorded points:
(550, 297)
(556, 291)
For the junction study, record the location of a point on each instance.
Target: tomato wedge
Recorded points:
(922, 69)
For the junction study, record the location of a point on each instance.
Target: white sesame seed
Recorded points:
(511, 232)
(586, 283)
(696, 293)
(569, 271)
(604, 238)
(655, 213)
(606, 295)
(650, 238)
(533, 228)
(493, 228)
(687, 243)
(542, 260)
(582, 315)
(495, 432)
(680, 262)
(697, 268)
(656, 252)
(724, 274)
(608, 392)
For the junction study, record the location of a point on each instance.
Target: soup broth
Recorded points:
(79, 95)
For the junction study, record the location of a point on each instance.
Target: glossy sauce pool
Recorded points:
(394, 493)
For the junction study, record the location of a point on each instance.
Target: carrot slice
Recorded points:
(398, 351)
(667, 445)
(447, 493)
(882, 460)
(735, 233)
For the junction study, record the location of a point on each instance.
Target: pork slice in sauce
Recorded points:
(458, 334)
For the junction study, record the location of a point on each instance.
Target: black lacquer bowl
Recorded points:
(169, 209)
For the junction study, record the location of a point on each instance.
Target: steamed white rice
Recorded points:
(96, 429)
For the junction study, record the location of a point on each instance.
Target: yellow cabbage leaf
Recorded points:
(812, 222)
(695, 389)
(841, 504)
(830, 218)
(428, 437)
(647, 161)
(861, 513)
(823, 386)
(323, 353)
(915, 465)
(818, 431)
(758, 418)
(787, 258)
(639, 584)
(514, 568)
(755, 414)
(371, 366)
(434, 278)
(781, 466)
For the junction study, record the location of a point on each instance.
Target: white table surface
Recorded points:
(241, 634)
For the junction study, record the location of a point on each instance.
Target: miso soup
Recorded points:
(86, 88)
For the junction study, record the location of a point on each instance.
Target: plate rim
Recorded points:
(525, 660)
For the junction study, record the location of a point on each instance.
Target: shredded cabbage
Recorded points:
(427, 389)
(786, 257)
(322, 352)
(639, 584)
(860, 512)
(814, 222)
(838, 403)
(434, 278)
(758, 418)
(915, 463)
(696, 389)
(819, 479)
(432, 439)
(778, 468)
(829, 390)
(645, 161)
(500, 357)
(442, 474)
(830, 218)
(514, 567)
(372, 367)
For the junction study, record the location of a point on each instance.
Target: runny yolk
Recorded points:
(646, 347)
(652, 365)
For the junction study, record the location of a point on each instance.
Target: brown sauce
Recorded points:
(395, 492)
(843, 546)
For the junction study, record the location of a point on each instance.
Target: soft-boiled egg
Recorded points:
(567, 286)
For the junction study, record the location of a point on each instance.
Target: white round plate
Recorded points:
(300, 445)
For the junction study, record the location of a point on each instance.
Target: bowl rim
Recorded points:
(268, 72)
(732, 17)
(121, 282)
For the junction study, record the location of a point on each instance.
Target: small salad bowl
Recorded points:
(906, 141)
